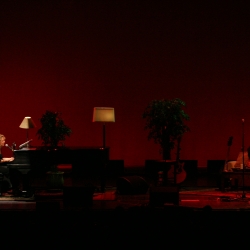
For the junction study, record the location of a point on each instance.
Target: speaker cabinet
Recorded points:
(215, 166)
(115, 168)
(150, 168)
(191, 168)
(161, 195)
(130, 185)
(214, 171)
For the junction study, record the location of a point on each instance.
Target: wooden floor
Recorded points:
(196, 193)
(204, 213)
(197, 199)
(204, 217)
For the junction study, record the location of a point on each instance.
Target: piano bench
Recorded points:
(66, 168)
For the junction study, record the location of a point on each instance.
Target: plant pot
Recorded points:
(54, 180)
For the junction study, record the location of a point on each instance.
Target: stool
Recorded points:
(1, 183)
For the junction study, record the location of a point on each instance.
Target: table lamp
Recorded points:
(104, 114)
(27, 123)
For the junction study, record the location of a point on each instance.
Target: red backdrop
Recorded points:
(71, 56)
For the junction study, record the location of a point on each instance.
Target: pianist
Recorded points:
(3, 168)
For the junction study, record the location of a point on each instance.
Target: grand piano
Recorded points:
(86, 161)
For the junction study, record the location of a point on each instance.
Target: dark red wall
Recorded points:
(71, 56)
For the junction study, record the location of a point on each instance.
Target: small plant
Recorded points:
(53, 130)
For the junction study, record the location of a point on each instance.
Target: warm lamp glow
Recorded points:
(27, 123)
(103, 114)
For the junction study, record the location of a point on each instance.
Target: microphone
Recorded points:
(6, 145)
(243, 120)
(24, 144)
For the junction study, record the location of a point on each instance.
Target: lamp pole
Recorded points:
(104, 135)
(243, 160)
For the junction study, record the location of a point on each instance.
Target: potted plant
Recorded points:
(165, 120)
(52, 132)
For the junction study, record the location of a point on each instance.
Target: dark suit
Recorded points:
(6, 184)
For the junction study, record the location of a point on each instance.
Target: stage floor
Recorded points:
(204, 211)
(200, 192)
(195, 198)
(216, 199)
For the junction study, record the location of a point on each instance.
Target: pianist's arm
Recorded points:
(7, 159)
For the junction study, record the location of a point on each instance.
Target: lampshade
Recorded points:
(27, 123)
(103, 114)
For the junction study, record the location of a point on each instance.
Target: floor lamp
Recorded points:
(27, 123)
(104, 114)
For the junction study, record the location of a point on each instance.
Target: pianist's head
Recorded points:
(2, 140)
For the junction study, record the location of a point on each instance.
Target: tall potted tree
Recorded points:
(52, 132)
(165, 120)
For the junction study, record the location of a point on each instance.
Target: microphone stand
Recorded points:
(243, 162)
(243, 196)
